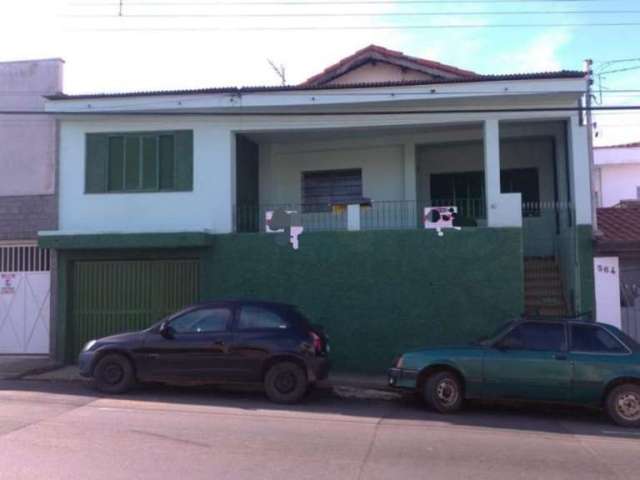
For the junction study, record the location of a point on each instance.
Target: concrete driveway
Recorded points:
(55, 430)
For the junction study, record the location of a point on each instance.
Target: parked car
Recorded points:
(578, 362)
(216, 342)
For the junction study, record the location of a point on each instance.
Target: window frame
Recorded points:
(98, 162)
(627, 351)
(208, 307)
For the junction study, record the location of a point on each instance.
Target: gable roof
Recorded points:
(375, 53)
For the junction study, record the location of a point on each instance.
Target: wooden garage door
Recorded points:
(109, 297)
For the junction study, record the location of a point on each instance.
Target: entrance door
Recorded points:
(25, 286)
(530, 362)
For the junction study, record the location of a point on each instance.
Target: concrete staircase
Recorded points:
(543, 294)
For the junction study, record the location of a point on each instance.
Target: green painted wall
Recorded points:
(584, 247)
(379, 293)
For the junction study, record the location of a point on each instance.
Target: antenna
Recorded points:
(280, 71)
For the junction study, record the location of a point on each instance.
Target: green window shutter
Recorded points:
(150, 163)
(116, 164)
(167, 162)
(184, 160)
(132, 163)
(97, 153)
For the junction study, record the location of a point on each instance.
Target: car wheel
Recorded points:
(114, 374)
(443, 392)
(623, 405)
(285, 382)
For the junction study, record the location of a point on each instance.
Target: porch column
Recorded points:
(580, 170)
(491, 169)
(410, 171)
(503, 209)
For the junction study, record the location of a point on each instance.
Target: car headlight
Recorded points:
(89, 345)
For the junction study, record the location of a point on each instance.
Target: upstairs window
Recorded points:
(322, 189)
(139, 162)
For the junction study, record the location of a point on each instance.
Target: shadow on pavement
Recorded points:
(407, 410)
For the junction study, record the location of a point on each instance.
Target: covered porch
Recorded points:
(383, 178)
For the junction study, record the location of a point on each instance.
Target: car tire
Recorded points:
(285, 382)
(623, 405)
(443, 392)
(114, 374)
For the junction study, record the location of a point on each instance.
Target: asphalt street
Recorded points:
(57, 430)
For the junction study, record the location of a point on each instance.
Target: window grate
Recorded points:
(24, 258)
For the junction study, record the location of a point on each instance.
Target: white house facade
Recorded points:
(189, 176)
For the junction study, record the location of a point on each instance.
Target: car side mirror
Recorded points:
(508, 343)
(167, 331)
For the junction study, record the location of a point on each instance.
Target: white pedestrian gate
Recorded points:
(25, 291)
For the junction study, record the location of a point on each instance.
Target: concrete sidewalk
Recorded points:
(348, 385)
(19, 366)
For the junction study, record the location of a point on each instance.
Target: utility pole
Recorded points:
(588, 65)
(120, 5)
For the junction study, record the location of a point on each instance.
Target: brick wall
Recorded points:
(21, 217)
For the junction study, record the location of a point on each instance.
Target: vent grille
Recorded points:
(24, 258)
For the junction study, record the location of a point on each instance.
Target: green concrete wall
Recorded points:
(379, 293)
(584, 247)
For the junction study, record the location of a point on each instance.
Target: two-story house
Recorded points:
(28, 203)
(164, 198)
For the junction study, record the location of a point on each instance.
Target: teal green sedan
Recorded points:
(530, 359)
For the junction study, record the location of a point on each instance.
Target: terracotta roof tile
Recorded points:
(377, 52)
(620, 224)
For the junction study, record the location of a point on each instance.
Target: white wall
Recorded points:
(615, 183)
(206, 208)
(281, 173)
(28, 142)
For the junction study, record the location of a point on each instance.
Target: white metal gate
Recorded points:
(25, 291)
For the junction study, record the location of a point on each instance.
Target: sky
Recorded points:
(169, 44)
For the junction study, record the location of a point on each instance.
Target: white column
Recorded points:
(491, 169)
(410, 171)
(503, 209)
(580, 171)
(353, 217)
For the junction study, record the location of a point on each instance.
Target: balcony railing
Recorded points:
(378, 215)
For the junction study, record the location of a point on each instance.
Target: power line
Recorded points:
(323, 2)
(360, 27)
(350, 14)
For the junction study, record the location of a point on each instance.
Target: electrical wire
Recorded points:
(352, 28)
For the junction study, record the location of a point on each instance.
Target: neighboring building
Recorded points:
(618, 245)
(616, 174)
(28, 203)
(163, 197)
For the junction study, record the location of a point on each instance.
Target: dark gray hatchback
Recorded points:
(231, 341)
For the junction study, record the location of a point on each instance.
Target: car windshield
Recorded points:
(497, 332)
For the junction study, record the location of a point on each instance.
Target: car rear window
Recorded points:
(591, 338)
(259, 318)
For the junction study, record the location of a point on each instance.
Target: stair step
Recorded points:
(546, 311)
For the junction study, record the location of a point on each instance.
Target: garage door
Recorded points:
(109, 297)
(24, 299)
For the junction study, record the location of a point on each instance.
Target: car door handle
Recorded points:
(559, 356)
